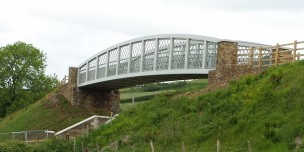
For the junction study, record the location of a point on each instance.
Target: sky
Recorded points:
(70, 31)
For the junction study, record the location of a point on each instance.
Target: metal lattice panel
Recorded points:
(163, 54)
(92, 69)
(243, 54)
(267, 54)
(82, 73)
(150, 47)
(136, 57)
(179, 50)
(211, 55)
(196, 50)
(112, 62)
(102, 60)
(123, 62)
(160, 58)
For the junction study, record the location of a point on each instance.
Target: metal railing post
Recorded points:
(171, 53)
(187, 53)
(205, 55)
(130, 58)
(156, 54)
(118, 60)
(142, 56)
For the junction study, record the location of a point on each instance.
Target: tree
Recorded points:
(22, 76)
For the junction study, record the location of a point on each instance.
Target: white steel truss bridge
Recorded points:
(151, 59)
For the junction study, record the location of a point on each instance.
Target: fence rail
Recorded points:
(266, 56)
(26, 136)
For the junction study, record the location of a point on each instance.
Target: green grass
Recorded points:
(55, 115)
(140, 95)
(266, 110)
(59, 114)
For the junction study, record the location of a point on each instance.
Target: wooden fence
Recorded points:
(267, 56)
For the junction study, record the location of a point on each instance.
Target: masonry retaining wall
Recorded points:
(106, 99)
(227, 68)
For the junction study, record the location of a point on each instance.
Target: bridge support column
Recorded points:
(226, 66)
(106, 100)
(226, 54)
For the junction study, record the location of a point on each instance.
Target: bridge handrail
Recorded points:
(81, 122)
(152, 37)
(149, 55)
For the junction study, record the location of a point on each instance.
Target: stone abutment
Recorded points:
(105, 99)
(226, 64)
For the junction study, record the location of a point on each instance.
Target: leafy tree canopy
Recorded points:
(22, 76)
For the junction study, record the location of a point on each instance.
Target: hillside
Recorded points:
(53, 113)
(266, 109)
(56, 113)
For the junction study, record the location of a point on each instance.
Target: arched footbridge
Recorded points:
(151, 59)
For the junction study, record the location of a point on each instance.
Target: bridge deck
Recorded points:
(151, 59)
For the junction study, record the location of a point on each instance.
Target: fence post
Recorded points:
(97, 148)
(298, 58)
(183, 147)
(74, 146)
(260, 58)
(218, 146)
(13, 136)
(151, 144)
(87, 130)
(294, 50)
(111, 117)
(249, 146)
(277, 55)
(133, 100)
(47, 134)
(250, 56)
(25, 136)
(82, 148)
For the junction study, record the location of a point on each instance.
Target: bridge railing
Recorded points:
(152, 53)
(266, 56)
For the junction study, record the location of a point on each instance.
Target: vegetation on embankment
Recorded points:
(54, 113)
(149, 91)
(266, 109)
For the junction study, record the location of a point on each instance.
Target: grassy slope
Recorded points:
(141, 96)
(137, 92)
(57, 115)
(267, 110)
(51, 115)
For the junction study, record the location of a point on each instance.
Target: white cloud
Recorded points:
(71, 31)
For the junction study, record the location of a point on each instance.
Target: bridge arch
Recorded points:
(149, 59)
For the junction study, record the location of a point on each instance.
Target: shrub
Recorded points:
(14, 146)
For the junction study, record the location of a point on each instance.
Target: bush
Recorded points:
(54, 145)
(14, 146)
